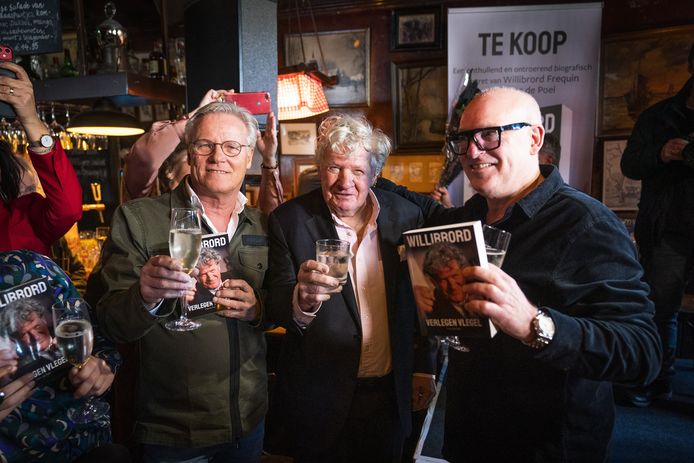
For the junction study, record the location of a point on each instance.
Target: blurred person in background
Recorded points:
(660, 153)
(550, 153)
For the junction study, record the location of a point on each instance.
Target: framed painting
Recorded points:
(416, 29)
(302, 165)
(346, 55)
(298, 138)
(419, 105)
(618, 192)
(640, 69)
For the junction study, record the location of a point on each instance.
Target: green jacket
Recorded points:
(198, 388)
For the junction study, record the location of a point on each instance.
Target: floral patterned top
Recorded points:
(39, 429)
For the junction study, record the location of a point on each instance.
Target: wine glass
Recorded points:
(185, 239)
(75, 338)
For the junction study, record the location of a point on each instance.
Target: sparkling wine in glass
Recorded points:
(496, 243)
(74, 336)
(185, 239)
(335, 254)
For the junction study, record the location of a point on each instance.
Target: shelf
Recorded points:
(125, 88)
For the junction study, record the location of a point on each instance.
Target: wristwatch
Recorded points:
(543, 330)
(45, 141)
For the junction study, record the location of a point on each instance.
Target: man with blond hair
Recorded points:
(346, 377)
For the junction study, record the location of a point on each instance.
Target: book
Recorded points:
(435, 258)
(213, 269)
(27, 332)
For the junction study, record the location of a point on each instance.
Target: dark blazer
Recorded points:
(318, 365)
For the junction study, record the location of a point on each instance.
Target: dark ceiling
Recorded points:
(141, 18)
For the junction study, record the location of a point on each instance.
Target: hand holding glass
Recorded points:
(75, 338)
(335, 254)
(185, 239)
(496, 243)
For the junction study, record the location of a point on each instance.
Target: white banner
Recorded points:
(551, 52)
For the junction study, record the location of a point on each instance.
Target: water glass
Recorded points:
(335, 254)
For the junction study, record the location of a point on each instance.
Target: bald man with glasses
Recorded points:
(572, 312)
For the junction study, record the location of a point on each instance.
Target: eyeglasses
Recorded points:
(486, 139)
(206, 147)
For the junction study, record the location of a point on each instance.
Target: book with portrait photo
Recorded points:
(436, 257)
(27, 334)
(213, 269)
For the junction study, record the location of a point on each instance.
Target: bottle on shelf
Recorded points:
(157, 63)
(54, 69)
(68, 69)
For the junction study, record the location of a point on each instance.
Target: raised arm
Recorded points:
(62, 207)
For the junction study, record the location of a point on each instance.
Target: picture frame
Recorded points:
(619, 193)
(145, 113)
(346, 54)
(300, 165)
(417, 172)
(298, 138)
(416, 29)
(419, 105)
(638, 70)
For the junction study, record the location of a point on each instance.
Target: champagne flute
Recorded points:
(75, 338)
(185, 239)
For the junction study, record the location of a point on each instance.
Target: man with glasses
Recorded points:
(572, 312)
(202, 395)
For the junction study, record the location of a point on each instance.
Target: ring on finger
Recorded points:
(11, 91)
(2, 397)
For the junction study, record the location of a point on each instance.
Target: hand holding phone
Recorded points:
(6, 54)
(254, 102)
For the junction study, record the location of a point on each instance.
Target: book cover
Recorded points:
(27, 333)
(213, 269)
(436, 257)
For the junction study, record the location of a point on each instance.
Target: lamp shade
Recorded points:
(299, 95)
(104, 119)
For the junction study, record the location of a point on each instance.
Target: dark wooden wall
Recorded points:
(619, 16)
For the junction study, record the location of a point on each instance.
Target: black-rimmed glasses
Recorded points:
(206, 147)
(486, 139)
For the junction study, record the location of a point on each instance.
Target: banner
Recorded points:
(549, 51)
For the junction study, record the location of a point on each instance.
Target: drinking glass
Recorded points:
(101, 234)
(185, 239)
(496, 243)
(335, 254)
(75, 338)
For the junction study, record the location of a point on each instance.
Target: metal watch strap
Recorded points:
(542, 338)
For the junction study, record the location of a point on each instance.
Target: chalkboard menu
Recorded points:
(93, 167)
(31, 27)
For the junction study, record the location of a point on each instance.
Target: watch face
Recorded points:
(546, 326)
(46, 141)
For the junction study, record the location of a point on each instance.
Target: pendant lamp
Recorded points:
(300, 88)
(105, 119)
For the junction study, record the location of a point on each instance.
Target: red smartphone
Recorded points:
(6, 54)
(254, 102)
